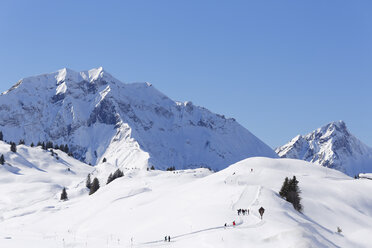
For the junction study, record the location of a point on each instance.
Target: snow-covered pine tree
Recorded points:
(94, 187)
(66, 149)
(291, 192)
(2, 159)
(88, 182)
(48, 145)
(118, 173)
(284, 190)
(110, 179)
(13, 147)
(64, 195)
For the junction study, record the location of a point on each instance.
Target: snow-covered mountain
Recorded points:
(191, 206)
(132, 125)
(332, 146)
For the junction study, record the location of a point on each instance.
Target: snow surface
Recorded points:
(100, 117)
(331, 146)
(366, 176)
(191, 206)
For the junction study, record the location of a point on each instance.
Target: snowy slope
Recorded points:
(32, 175)
(191, 206)
(332, 146)
(130, 124)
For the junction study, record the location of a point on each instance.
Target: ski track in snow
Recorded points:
(245, 196)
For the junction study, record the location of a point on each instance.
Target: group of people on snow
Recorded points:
(243, 211)
(167, 238)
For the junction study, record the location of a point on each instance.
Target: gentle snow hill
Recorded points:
(31, 176)
(191, 206)
(131, 125)
(332, 146)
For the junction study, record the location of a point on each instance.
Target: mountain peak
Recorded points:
(131, 125)
(67, 74)
(336, 126)
(332, 146)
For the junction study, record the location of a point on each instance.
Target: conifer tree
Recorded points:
(118, 173)
(94, 187)
(1, 135)
(109, 179)
(2, 159)
(64, 195)
(39, 144)
(291, 192)
(88, 182)
(284, 190)
(13, 147)
(152, 168)
(32, 144)
(21, 142)
(66, 149)
(48, 145)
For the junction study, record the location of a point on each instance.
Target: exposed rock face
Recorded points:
(132, 125)
(332, 146)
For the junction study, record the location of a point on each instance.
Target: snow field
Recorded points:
(191, 206)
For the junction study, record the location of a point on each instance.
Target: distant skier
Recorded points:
(234, 223)
(168, 238)
(165, 239)
(225, 225)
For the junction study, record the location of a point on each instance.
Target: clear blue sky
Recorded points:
(281, 68)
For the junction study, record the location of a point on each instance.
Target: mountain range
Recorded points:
(131, 125)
